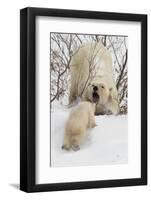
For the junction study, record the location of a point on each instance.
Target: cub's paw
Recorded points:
(75, 147)
(94, 125)
(65, 147)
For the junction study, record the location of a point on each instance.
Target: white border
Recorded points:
(45, 174)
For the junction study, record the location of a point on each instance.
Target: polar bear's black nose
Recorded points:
(95, 88)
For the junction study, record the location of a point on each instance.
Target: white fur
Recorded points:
(96, 56)
(81, 118)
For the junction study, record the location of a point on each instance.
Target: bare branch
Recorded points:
(122, 71)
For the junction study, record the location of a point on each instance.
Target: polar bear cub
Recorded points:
(80, 119)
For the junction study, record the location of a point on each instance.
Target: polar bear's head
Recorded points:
(98, 93)
(104, 95)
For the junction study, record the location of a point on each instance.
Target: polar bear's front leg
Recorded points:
(72, 97)
(73, 92)
(112, 107)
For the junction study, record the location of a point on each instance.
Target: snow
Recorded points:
(106, 144)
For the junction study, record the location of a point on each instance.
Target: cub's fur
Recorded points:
(80, 118)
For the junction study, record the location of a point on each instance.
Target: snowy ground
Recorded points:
(106, 144)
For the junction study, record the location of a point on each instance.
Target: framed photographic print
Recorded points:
(83, 99)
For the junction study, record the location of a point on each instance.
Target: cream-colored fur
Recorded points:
(80, 119)
(96, 56)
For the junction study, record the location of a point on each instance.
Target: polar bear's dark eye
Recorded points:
(102, 86)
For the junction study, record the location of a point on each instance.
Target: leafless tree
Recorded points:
(120, 52)
(60, 56)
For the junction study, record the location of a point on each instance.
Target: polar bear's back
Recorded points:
(92, 57)
(91, 54)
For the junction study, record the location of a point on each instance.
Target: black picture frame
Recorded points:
(28, 99)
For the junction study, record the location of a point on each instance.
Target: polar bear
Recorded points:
(80, 119)
(92, 78)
